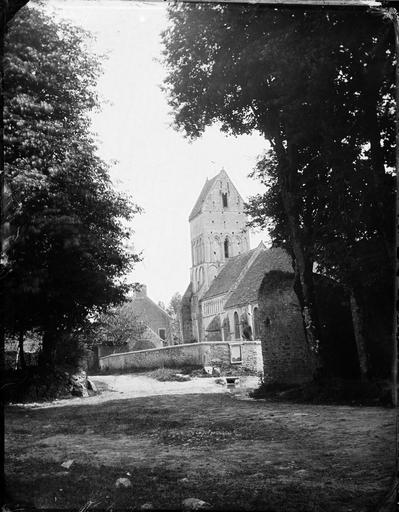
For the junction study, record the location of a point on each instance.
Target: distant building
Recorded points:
(157, 322)
(221, 301)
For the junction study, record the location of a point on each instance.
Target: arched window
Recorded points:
(224, 200)
(226, 329)
(256, 324)
(226, 248)
(236, 326)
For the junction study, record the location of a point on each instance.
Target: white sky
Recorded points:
(161, 170)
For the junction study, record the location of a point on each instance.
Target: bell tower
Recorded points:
(218, 230)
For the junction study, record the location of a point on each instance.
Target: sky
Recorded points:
(162, 171)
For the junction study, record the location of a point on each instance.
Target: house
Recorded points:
(157, 324)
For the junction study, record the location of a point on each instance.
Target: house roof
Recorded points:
(147, 311)
(229, 274)
(201, 198)
(248, 287)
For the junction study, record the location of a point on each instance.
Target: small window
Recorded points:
(226, 248)
(162, 334)
(224, 200)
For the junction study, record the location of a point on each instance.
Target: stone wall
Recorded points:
(203, 354)
(252, 355)
(286, 356)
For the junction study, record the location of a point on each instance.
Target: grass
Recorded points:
(165, 374)
(329, 391)
(235, 454)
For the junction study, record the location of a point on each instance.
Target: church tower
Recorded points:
(218, 230)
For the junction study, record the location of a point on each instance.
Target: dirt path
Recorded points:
(120, 387)
(235, 454)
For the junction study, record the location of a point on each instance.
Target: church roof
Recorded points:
(247, 290)
(229, 274)
(188, 293)
(200, 201)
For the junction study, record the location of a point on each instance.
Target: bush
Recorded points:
(166, 374)
(36, 384)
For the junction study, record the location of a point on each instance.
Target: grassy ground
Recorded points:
(235, 454)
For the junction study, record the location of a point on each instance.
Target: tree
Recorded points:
(118, 326)
(174, 311)
(275, 71)
(161, 304)
(67, 253)
(174, 305)
(346, 242)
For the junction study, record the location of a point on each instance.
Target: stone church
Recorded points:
(221, 301)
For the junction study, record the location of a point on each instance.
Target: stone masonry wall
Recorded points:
(252, 355)
(217, 352)
(286, 356)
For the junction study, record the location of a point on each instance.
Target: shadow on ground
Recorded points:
(234, 454)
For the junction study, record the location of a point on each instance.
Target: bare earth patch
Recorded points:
(232, 452)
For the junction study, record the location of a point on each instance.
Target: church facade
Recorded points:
(221, 301)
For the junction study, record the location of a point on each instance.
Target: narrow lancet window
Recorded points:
(226, 248)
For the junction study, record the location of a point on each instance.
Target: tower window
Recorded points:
(224, 200)
(226, 248)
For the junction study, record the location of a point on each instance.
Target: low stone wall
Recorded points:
(252, 355)
(203, 354)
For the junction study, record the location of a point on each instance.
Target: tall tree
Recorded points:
(286, 74)
(347, 245)
(67, 251)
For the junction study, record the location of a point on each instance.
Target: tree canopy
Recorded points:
(319, 85)
(67, 250)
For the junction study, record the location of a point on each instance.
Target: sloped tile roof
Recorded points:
(147, 311)
(200, 201)
(229, 274)
(247, 290)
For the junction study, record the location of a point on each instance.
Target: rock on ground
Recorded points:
(123, 482)
(195, 504)
(67, 464)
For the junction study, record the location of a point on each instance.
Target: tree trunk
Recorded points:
(303, 261)
(22, 361)
(358, 329)
(49, 347)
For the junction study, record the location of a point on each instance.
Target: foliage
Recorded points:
(319, 85)
(161, 304)
(67, 251)
(168, 374)
(174, 306)
(118, 326)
